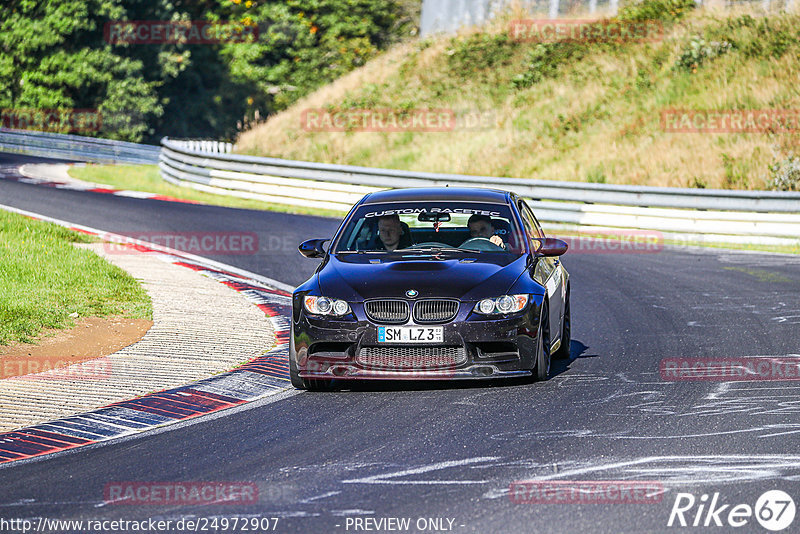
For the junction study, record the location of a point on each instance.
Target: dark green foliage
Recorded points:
(698, 51)
(480, 51)
(763, 37)
(545, 58)
(53, 56)
(305, 44)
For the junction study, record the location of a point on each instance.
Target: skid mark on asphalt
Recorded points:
(782, 307)
(672, 470)
(644, 395)
(492, 475)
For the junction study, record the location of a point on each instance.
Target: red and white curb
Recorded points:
(263, 376)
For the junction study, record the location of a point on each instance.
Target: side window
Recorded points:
(529, 219)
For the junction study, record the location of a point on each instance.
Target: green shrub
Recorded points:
(596, 175)
(698, 51)
(543, 62)
(785, 174)
(736, 172)
(478, 52)
(757, 38)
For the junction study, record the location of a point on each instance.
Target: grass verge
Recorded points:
(148, 179)
(44, 279)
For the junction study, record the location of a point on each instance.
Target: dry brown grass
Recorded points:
(591, 122)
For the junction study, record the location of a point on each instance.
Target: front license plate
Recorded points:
(410, 334)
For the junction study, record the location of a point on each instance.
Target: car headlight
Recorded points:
(325, 306)
(502, 305)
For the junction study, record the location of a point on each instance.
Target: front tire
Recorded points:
(297, 382)
(542, 371)
(311, 384)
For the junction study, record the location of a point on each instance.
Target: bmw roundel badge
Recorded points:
(412, 293)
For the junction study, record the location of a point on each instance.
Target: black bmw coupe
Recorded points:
(433, 283)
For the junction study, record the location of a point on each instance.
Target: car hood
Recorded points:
(358, 277)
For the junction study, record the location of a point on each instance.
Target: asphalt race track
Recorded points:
(323, 460)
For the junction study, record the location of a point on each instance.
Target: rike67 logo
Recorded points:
(774, 510)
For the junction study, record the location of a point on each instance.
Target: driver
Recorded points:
(481, 226)
(390, 230)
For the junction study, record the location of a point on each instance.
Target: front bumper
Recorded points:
(350, 372)
(488, 348)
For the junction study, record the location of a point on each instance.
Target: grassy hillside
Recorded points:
(571, 111)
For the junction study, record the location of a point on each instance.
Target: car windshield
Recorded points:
(432, 226)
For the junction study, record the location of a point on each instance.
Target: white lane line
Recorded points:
(318, 497)
(384, 478)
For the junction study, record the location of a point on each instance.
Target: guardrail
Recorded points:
(75, 147)
(742, 216)
(713, 214)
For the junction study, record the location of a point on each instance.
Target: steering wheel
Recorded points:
(483, 244)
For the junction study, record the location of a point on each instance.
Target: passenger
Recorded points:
(481, 226)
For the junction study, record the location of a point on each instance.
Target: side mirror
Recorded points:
(549, 246)
(313, 248)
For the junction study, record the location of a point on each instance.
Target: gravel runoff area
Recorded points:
(200, 328)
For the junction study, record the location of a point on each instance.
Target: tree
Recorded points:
(304, 44)
(53, 57)
(56, 55)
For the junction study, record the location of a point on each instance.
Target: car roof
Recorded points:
(474, 194)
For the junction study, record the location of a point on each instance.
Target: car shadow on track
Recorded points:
(576, 350)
